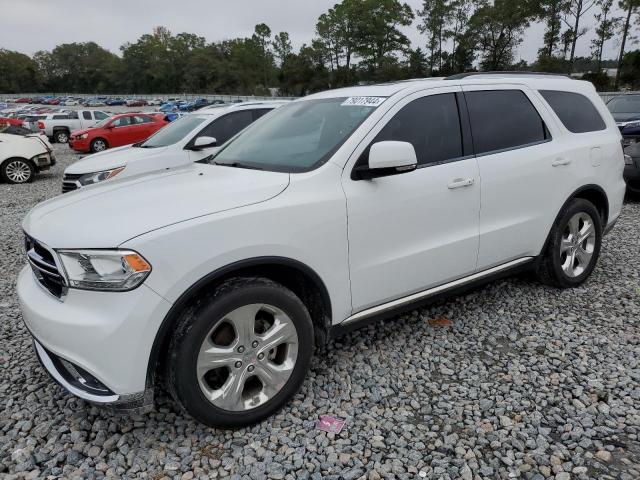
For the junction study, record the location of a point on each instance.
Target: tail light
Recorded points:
(41, 125)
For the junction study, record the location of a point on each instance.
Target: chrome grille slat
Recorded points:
(44, 267)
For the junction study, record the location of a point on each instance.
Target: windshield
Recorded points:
(297, 137)
(101, 123)
(626, 104)
(174, 132)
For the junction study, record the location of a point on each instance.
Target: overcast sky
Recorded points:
(31, 25)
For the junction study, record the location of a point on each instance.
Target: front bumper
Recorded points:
(632, 175)
(82, 146)
(106, 336)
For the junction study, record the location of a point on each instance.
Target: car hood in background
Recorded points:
(112, 158)
(626, 117)
(110, 213)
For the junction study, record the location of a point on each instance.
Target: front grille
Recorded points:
(44, 267)
(69, 182)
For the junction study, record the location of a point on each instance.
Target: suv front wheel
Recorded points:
(573, 247)
(239, 354)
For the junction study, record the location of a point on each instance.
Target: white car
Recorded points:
(338, 208)
(186, 140)
(22, 156)
(155, 101)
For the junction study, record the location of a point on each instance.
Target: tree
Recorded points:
(378, 32)
(498, 29)
(262, 36)
(630, 69)
(604, 30)
(18, 73)
(282, 46)
(550, 12)
(436, 16)
(576, 9)
(630, 7)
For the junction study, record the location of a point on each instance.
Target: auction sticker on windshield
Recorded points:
(363, 101)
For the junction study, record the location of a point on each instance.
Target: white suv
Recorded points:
(185, 140)
(334, 209)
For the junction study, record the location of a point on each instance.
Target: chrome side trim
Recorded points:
(432, 291)
(48, 364)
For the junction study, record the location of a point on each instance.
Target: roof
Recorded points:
(532, 80)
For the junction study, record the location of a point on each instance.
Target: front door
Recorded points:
(413, 231)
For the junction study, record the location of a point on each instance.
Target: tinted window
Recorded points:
(121, 122)
(100, 115)
(227, 126)
(73, 115)
(261, 112)
(576, 112)
(431, 124)
(60, 117)
(503, 119)
(141, 119)
(86, 115)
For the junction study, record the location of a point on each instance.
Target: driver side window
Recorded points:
(121, 122)
(227, 126)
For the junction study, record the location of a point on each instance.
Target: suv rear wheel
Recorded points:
(574, 246)
(239, 354)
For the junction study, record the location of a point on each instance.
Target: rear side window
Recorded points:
(575, 111)
(60, 117)
(100, 115)
(431, 124)
(503, 120)
(86, 115)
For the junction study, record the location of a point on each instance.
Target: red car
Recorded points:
(24, 100)
(115, 131)
(16, 122)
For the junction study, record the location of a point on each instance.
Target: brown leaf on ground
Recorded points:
(440, 322)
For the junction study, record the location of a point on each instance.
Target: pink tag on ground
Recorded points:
(330, 424)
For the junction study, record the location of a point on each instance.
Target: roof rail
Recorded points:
(460, 76)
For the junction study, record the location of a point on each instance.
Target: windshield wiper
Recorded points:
(238, 165)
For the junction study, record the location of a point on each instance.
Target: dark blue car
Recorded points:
(626, 112)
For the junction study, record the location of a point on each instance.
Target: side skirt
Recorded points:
(410, 302)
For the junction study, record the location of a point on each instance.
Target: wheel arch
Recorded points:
(592, 193)
(293, 274)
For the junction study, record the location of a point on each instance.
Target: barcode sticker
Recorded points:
(363, 101)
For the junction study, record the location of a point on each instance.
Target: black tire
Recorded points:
(96, 145)
(548, 267)
(61, 136)
(193, 327)
(10, 168)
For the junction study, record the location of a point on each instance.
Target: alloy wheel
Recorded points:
(18, 171)
(578, 244)
(62, 137)
(99, 146)
(247, 358)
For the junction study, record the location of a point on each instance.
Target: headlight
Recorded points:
(632, 125)
(83, 136)
(108, 270)
(96, 177)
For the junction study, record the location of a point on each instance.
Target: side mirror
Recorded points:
(204, 142)
(387, 158)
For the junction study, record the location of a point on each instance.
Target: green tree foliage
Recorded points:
(18, 73)
(356, 41)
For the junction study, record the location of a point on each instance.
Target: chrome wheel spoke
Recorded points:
(578, 245)
(213, 356)
(282, 331)
(586, 232)
(565, 245)
(583, 257)
(243, 320)
(273, 377)
(229, 397)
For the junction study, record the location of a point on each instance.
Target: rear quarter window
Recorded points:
(575, 111)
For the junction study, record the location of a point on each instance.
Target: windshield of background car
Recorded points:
(630, 104)
(298, 137)
(174, 132)
(101, 123)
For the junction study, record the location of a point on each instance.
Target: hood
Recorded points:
(626, 117)
(107, 214)
(112, 158)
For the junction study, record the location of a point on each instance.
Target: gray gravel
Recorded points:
(528, 382)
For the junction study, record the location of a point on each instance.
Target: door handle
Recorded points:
(461, 182)
(560, 161)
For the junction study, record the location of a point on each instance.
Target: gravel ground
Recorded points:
(514, 380)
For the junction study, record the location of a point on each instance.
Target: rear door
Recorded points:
(525, 172)
(121, 133)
